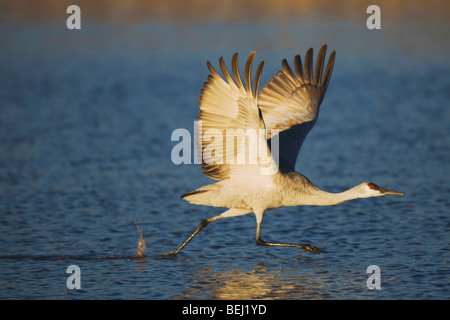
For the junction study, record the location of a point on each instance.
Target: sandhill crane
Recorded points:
(286, 110)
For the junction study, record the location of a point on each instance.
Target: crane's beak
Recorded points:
(386, 191)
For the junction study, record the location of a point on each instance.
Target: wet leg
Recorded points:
(205, 222)
(261, 242)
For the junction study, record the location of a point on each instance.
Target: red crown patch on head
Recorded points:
(373, 186)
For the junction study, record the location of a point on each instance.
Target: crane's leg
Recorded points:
(261, 242)
(205, 222)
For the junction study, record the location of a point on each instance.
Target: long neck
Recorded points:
(300, 191)
(323, 198)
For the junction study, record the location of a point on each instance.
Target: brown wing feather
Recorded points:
(226, 105)
(291, 102)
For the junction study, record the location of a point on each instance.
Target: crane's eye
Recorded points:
(373, 186)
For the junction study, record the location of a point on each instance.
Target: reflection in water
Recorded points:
(258, 283)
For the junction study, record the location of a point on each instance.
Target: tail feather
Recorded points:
(197, 197)
(187, 195)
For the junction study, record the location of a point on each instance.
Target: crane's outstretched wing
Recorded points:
(230, 135)
(290, 103)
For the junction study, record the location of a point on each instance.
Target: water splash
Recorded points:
(138, 255)
(141, 246)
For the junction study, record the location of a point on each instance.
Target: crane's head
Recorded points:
(369, 189)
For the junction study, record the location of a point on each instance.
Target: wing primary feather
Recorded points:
(319, 65)
(309, 65)
(328, 70)
(235, 68)
(211, 69)
(248, 72)
(287, 69)
(299, 69)
(225, 72)
(257, 79)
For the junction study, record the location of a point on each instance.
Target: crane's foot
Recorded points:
(312, 249)
(170, 254)
(306, 247)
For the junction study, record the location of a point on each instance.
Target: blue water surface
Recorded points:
(85, 155)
